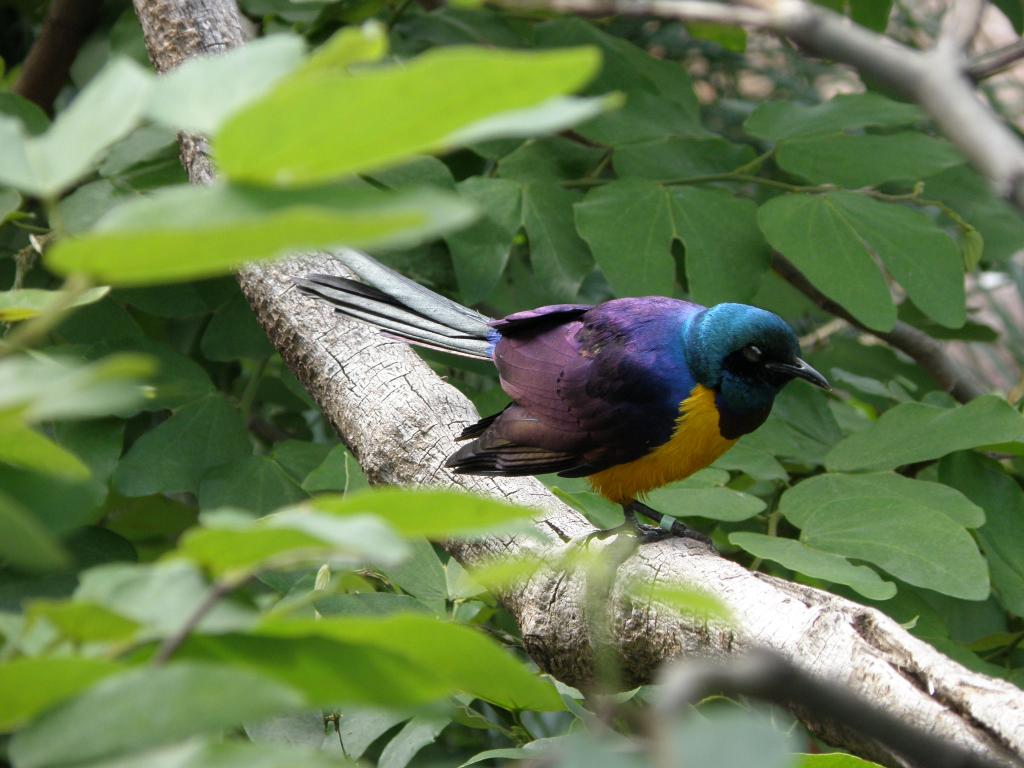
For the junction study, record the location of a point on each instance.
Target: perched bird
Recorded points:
(631, 393)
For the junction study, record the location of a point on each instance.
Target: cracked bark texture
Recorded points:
(399, 418)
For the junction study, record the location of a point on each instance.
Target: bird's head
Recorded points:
(746, 355)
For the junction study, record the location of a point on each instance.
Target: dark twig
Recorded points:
(770, 676)
(929, 353)
(218, 592)
(46, 68)
(992, 63)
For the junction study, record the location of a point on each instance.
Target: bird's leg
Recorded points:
(667, 525)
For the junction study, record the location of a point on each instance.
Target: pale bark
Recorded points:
(399, 418)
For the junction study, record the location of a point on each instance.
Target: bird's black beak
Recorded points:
(801, 370)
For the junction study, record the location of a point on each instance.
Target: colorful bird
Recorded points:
(631, 393)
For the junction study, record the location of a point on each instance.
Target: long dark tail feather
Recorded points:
(402, 309)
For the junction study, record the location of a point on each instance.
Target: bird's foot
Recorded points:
(648, 534)
(667, 525)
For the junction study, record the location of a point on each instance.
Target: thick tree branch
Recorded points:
(68, 23)
(400, 418)
(927, 352)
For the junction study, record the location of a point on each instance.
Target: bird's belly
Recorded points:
(695, 443)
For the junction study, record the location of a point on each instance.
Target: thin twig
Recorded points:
(218, 592)
(992, 63)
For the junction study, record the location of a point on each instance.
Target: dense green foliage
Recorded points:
(154, 450)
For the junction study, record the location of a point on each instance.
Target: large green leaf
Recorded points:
(189, 232)
(630, 226)
(779, 120)
(205, 90)
(148, 707)
(923, 258)
(673, 158)
(31, 685)
(457, 653)
(174, 456)
(712, 503)
(330, 124)
(231, 542)
(868, 160)
(799, 557)
(101, 114)
(481, 250)
(816, 235)
(22, 446)
(559, 257)
(256, 483)
(987, 484)
(911, 528)
(432, 514)
(26, 543)
(913, 432)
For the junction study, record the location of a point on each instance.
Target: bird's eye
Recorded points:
(752, 353)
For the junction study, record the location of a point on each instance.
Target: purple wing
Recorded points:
(591, 387)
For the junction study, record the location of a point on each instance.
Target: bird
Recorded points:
(631, 393)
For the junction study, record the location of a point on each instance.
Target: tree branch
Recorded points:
(929, 353)
(400, 420)
(47, 65)
(991, 63)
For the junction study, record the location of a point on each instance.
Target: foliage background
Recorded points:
(144, 429)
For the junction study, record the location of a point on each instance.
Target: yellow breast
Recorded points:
(695, 443)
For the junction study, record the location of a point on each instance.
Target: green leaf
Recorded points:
(815, 563)
(911, 528)
(25, 111)
(779, 120)
(235, 334)
(227, 544)
(867, 160)
(481, 250)
(10, 201)
(32, 685)
(22, 446)
(255, 483)
(713, 503)
(434, 515)
(27, 303)
(316, 128)
(361, 726)
(422, 575)
(191, 232)
(922, 257)
(464, 656)
(834, 760)
(26, 543)
(628, 226)
(671, 158)
(817, 236)
(559, 258)
(103, 112)
(913, 432)
(759, 464)
(726, 254)
(117, 715)
(47, 388)
(985, 483)
(82, 622)
(873, 14)
(174, 456)
(970, 195)
(204, 91)
(683, 599)
(414, 736)
(160, 596)
(348, 46)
